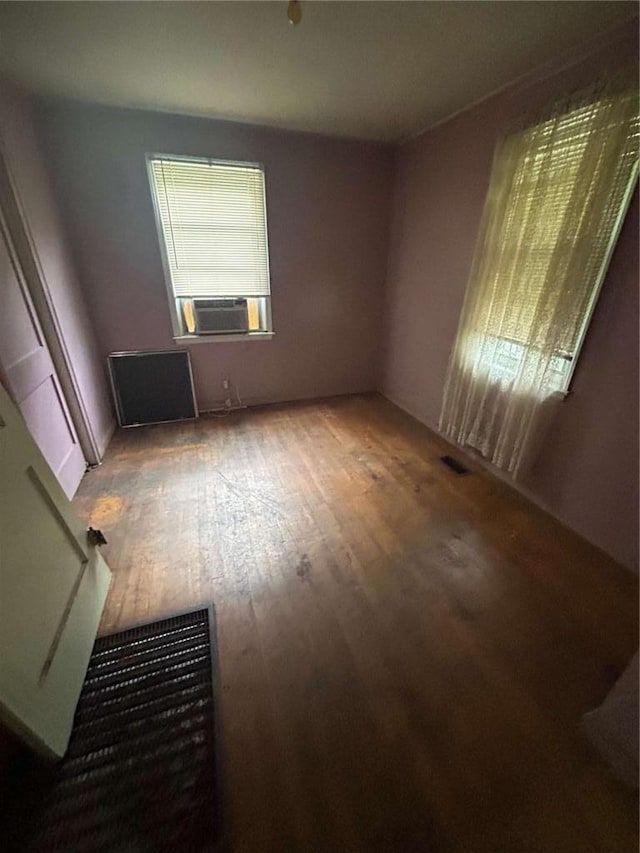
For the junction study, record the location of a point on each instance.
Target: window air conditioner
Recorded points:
(221, 316)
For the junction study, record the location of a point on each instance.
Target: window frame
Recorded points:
(572, 359)
(179, 333)
(602, 274)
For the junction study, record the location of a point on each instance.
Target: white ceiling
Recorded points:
(378, 70)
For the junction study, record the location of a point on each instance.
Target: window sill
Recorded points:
(215, 339)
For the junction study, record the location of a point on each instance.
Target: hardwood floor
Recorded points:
(404, 654)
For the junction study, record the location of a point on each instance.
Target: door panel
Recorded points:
(53, 584)
(45, 413)
(31, 376)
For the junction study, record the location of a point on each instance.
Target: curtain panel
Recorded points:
(558, 191)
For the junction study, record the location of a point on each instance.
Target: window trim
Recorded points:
(224, 338)
(567, 389)
(179, 335)
(602, 274)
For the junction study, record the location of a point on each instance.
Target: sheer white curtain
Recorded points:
(557, 192)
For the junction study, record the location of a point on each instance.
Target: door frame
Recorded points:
(18, 232)
(72, 467)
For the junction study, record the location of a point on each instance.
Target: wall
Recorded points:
(327, 207)
(49, 244)
(587, 474)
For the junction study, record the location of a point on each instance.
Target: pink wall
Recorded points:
(31, 177)
(588, 474)
(328, 206)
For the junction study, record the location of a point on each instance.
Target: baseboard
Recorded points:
(264, 402)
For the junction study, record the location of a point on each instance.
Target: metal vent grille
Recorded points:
(139, 774)
(454, 464)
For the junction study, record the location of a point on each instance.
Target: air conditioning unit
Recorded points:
(221, 316)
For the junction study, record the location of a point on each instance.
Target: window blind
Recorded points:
(213, 221)
(556, 169)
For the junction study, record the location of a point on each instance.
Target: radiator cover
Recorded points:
(152, 387)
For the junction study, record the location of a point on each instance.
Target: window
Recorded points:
(212, 224)
(557, 197)
(538, 245)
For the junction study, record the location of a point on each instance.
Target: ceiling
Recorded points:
(376, 70)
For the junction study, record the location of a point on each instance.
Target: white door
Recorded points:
(30, 375)
(53, 585)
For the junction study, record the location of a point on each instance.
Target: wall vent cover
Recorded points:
(152, 387)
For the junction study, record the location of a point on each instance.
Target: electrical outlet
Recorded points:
(225, 384)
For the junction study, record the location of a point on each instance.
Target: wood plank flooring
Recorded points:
(404, 653)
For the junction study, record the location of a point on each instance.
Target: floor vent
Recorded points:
(456, 466)
(140, 771)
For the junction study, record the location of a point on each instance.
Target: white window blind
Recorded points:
(554, 170)
(213, 221)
